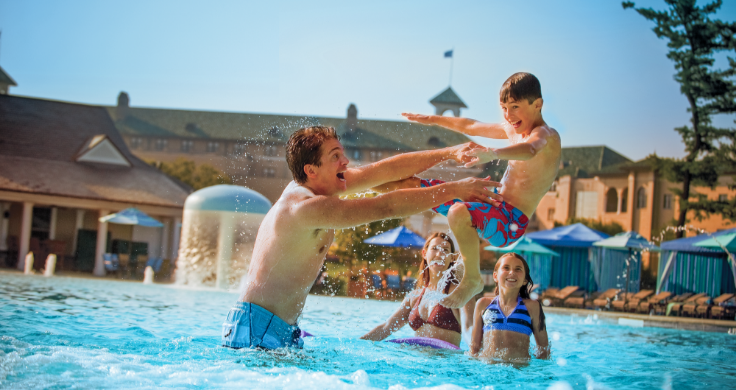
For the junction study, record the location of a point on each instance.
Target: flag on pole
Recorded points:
(448, 54)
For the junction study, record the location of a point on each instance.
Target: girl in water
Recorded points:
(502, 325)
(420, 309)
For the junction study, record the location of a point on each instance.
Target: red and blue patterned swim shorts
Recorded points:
(500, 226)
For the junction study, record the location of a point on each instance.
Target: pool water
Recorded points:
(86, 333)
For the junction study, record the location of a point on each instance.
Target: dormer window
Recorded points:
(136, 142)
(186, 146)
(275, 132)
(160, 144)
(239, 149)
(99, 149)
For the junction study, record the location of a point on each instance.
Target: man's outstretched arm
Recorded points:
(403, 166)
(331, 212)
(465, 126)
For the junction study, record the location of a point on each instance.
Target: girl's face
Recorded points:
(437, 255)
(510, 273)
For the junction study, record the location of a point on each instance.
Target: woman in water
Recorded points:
(502, 324)
(420, 308)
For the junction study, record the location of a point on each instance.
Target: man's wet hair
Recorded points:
(304, 147)
(520, 86)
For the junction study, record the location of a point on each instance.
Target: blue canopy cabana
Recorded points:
(617, 262)
(686, 267)
(573, 243)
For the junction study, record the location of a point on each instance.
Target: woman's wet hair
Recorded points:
(520, 86)
(424, 276)
(305, 147)
(525, 291)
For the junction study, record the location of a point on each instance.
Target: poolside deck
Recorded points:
(645, 320)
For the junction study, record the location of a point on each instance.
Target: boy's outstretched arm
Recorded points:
(461, 125)
(521, 151)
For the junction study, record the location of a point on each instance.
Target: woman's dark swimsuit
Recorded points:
(440, 317)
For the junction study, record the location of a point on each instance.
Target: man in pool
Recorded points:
(533, 161)
(296, 233)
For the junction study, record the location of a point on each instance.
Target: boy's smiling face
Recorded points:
(522, 115)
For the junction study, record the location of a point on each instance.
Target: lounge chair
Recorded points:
(620, 303)
(567, 292)
(725, 310)
(688, 308)
(634, 301)
(704, 311)
(548, 293)
(577, 302)
(647, 306)
(674, 308)
(661, 308)
(603, 301)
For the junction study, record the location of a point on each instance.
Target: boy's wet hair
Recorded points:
(520, 86)
(304, 147)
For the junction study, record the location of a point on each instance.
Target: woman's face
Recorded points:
(510, 273)
(437, 255)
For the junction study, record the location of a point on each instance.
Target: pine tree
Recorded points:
(693, 39)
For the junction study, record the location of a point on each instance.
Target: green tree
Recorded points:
(611, 228)
(693, 39)
(197, 177)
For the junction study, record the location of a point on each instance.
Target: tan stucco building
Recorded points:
(598, 183)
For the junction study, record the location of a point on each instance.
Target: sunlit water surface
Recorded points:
(66, 332)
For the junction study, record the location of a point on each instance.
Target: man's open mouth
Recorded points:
(341, 176)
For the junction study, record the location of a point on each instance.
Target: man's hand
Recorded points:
(419, 118)
(460, 153)
(473, 189)
(479, 155)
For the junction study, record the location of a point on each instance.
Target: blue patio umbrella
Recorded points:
(131, 216)
(398, 237)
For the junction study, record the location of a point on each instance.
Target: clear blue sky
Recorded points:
(605, 77)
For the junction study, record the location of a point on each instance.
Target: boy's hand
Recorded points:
(460, 152)
(419, 118)
(480, 155)
(472, 189)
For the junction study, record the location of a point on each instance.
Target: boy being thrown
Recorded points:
(534, 158)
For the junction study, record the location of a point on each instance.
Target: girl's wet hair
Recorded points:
(424, 277)
(525, 291)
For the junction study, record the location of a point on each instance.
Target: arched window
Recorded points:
(611, 200)
(625, 200)
(641, 198)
